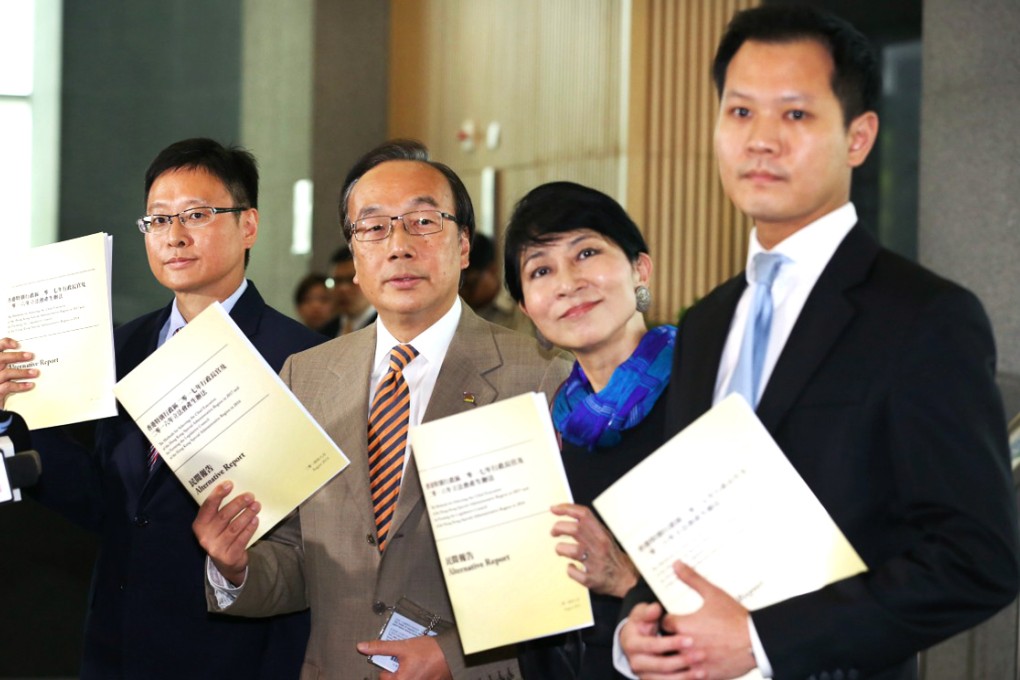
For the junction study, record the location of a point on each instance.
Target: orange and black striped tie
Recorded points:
(387, 439)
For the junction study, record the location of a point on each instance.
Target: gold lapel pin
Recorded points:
(469, 397)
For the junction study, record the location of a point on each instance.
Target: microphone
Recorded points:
(20, 467)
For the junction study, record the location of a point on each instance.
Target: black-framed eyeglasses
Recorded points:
(192, 218)
(416, 223)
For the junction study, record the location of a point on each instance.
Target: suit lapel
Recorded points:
(471, 355)
(134, 467)
(826, 314)
(347, 419)
(707, 325)
(247, 311)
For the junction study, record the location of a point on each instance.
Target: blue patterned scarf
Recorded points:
(588, 418)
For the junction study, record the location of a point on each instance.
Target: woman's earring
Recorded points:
(644, 298)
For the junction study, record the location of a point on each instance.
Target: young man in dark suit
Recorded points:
(876, 380)
(147, 616)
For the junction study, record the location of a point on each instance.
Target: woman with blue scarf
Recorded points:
(579, 268)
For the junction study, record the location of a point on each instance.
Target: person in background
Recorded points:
(353, 310)
(313, 301)
(147, 616)
(483, 289)
(579, 268)
(875, 377)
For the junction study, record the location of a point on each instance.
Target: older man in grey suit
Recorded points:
(361, 544)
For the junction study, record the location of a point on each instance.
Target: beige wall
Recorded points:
(614, 94)
(550, 74)
(350, 93)
(314, 77)
(696, 236)
(276, 109)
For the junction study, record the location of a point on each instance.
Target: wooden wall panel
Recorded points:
(696, 237)
(615, 94)
(548, 71)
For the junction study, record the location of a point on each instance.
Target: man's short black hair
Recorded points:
(483, 253)
(856, 80)
(558, 207)
(232, 165)
(407, 150)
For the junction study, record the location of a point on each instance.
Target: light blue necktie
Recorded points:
(747, 373)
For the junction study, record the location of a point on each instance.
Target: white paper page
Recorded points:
(57, 305)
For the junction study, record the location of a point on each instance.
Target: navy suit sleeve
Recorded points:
(70, 480)
(935, 518)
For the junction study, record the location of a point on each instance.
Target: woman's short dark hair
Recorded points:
(558, 207)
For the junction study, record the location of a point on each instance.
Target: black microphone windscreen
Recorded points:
(23, 469)
(13, 425)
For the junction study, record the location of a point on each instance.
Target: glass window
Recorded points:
(16, 171)
(29, 120)
(17, 47)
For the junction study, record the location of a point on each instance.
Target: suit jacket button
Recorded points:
(379, 607)
(141, 521)
(370, 538)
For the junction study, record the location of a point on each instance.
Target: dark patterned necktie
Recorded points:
(387, 439)
(153, 453)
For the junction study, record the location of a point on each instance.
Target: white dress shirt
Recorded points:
(808, 250)
(176, 321)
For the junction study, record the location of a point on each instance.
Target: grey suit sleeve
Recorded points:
(275, 583)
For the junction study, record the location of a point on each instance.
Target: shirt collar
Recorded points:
(176, 321)
(431, 343)
(811, 247)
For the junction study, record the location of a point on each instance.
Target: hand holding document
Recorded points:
(56, 304)
(723, 498)
(489, 477)
(215, 410)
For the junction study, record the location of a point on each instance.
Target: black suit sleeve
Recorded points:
(935, 518)
(641, 593)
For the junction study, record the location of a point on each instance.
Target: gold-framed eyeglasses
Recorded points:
(192, 218)
(416, 223)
